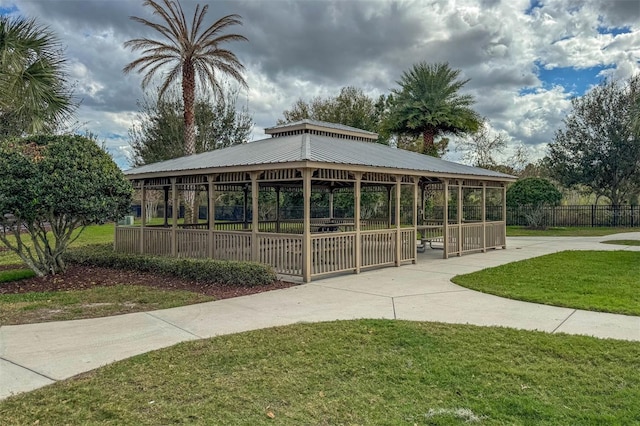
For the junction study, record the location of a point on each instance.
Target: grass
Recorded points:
(522, 231)
(604, 281)
(94, 234)
(15, 275)
(354, 372)
(623, 242)
(25, 308)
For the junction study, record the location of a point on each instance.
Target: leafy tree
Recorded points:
(352, 107)
(52, 187)
(429, 104)
(34, 95)
(598, 148)
(533, 193)
(158, 134)
(481, 147)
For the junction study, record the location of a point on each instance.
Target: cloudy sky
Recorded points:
(526, 59)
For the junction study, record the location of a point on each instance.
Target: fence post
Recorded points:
(631, 215)
(593, 215)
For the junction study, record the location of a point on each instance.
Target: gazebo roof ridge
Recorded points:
(308, 125)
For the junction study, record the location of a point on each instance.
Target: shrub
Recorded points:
(534, 194)
(206, 271)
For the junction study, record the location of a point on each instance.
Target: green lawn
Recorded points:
(25, 308)
(623, 242)
(521, 231)
(366, 372)
(594, 280)
(94, 234)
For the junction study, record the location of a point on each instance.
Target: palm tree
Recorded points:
(33, 88)
(428, 104)
(191, 53)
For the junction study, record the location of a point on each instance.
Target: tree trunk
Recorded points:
(188, 97)
(429, 147)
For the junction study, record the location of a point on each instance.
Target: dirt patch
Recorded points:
(84, 277)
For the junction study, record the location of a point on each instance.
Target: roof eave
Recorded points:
(315, 165)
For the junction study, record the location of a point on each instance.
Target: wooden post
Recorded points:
(277, 209)
(166, 205)
(504, 214)
(390, 222)
(254, 216)
(306, 225)
(398, 255)
(143, 215)
(246, 207)
(460, 208)
(357, 244)
(416, 180)
(445, 220)
(331, 203)
(484, 217)
(212, 214)
(175, 209)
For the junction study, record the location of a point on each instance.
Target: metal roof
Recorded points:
(317, 149)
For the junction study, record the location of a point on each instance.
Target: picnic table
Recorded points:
(430, 234)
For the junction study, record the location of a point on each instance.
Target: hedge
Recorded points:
(206, 271)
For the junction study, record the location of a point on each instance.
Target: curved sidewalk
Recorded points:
(35, 355)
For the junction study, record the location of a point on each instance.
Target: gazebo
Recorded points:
(357, 204)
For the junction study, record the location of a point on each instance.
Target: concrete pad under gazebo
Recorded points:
(317, 165)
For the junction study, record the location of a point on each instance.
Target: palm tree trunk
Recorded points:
(188, 97)
(429, 147)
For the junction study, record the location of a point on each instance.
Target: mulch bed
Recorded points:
(83, 277)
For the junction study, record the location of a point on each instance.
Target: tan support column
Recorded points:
(460, 208)
(277, 209)
(143, 215)
(389, 222)
(306, 232)
(398, 255)
(445, 220)
(175, 209)
(484, 217)
(330, 203)
(212, 214)
(254, 216)
(416, 180)
(357, 222)
(504, 214)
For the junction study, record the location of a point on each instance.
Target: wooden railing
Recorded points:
(453, 235)
(408, 241)
(378, 247)
(192, 243)
(471, 237)
(157, 241)
(282, 251)
(332, 252)
(232, 245)
(495, 234)
(127, 239)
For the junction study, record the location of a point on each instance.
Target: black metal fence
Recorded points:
(552, 216)
(583, 216)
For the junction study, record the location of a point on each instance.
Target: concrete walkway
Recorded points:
(35, 355)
